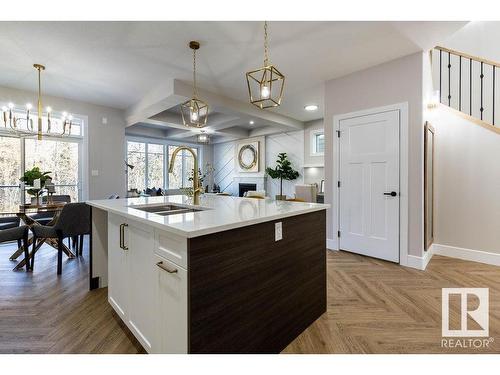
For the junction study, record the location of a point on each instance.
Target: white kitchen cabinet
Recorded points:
(118, 264)
(172, 314)
(141, 312)
(131, 272)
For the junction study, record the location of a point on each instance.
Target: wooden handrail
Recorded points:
(467, 56)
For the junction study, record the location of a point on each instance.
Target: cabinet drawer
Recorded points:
(172, 247)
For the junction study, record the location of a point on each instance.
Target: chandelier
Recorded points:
(265, 85)
(194, 111)
(24, 124)
(203, 138)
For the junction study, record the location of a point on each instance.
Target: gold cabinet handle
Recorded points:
(122, 236)
(166, 268)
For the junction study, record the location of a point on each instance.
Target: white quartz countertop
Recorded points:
(219, 213)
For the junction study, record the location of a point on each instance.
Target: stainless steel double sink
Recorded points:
(165, 209)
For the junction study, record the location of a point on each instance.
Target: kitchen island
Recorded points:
(231, 275)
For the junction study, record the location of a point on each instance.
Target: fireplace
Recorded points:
(243, 188)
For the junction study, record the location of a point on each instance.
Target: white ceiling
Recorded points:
(118, 63)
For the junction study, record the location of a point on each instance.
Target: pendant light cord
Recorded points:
(266, 57)
(195, 91)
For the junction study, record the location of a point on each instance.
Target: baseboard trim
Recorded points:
(420, 263)
(331, 244)
(467, 254)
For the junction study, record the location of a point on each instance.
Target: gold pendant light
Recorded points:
(194, 111)
(265, 85)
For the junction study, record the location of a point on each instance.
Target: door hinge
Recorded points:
(338, 233)
(338, 183)
(338, 133)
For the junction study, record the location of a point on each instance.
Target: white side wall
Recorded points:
(317, 173)
(467, 183)
(394, 82)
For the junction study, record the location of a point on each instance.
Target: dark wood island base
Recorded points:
(248, 293)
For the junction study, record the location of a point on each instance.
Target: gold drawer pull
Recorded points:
(166, 268)
(122, 236)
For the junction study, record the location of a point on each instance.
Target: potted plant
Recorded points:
(283, 171)
(29, 178)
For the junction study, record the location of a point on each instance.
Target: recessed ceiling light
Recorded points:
(251, 122)
(311, 107)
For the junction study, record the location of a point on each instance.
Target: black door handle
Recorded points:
(392, 193)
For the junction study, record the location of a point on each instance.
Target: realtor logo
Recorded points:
(478, 314)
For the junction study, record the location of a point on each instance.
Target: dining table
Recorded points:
(30, 214)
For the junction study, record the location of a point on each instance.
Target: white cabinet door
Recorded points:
(172, 314)
(142, 311)
(369, 190)
(118, 277)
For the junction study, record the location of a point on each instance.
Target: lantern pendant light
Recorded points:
(265, 85)
(194, 111)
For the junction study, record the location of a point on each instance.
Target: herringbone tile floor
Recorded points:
(380, 307)
(373, 307)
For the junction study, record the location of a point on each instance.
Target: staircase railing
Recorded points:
(467, 83)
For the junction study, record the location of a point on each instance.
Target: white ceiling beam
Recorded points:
(268, 130)
(157, 100)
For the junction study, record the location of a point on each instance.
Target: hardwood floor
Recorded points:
(43, 313)
(380, 307)
(373, 307)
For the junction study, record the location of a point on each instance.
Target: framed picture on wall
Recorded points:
(248, 157)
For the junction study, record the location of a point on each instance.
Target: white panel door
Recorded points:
(369, 185)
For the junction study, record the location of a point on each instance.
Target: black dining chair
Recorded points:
(19, 234)
(73, 221)
(8, 222)
(46, 217)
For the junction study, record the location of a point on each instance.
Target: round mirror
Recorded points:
(247, 157)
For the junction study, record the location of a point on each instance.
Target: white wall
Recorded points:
(105, 142)
(313, 174)
(224, 156)
(467, 183)
(293, 144)
(394, 82)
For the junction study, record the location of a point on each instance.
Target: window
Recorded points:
(183, 167)
(317, 143)
(150, 162)
(136, 158)
(10, 172)
(60, 156)
(155, 165)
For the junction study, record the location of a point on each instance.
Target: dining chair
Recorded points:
(8, 222)
(73, 221)
(17, 233)
(46, 217)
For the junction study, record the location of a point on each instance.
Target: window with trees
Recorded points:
(150, 165)
(60, 156)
